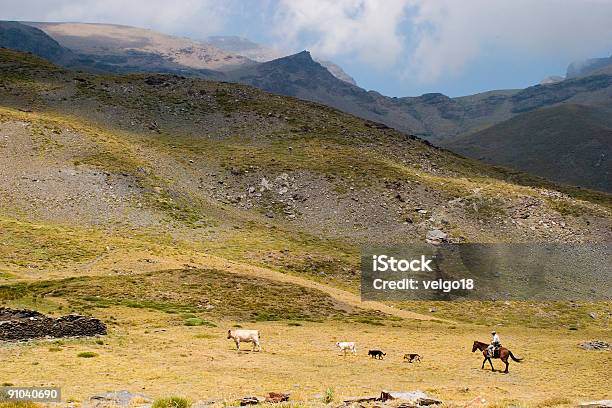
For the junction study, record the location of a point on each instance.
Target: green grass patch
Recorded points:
(329, 396)
(172, 402)
(87, 354)
(370, 320)
(567, 208)
(196, 321)
(205, 336)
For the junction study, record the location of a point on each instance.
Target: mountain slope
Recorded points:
(434, 117)
(568, 143)
(30, 39)
(198, 157)
(122, 43)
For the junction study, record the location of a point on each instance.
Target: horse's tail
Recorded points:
(518, 360)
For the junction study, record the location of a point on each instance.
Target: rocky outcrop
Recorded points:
(276, 397)
(595, 345)
(415, 398)
(121, 398)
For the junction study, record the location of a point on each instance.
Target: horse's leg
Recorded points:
(483, 363)
(491, 362)
(506, 362)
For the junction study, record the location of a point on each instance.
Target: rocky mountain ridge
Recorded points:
(434, 117)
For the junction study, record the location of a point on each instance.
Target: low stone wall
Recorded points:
(18, 325)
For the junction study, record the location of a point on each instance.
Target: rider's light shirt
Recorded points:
(495, 339)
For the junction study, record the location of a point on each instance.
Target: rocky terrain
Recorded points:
(181, 145)
(434, 117)
(241, 173)
(28, 324)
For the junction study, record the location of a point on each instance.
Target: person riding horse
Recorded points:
(495, 344)
(494, 350)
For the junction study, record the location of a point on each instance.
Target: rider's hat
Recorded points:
(493, 332)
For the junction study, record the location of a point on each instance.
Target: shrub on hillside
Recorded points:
(172, 402)
(87, 354)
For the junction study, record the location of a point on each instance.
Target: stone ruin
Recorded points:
(16, 325)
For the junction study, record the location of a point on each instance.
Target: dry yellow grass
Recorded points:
(151, 352)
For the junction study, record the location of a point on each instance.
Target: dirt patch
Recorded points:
(28, 324)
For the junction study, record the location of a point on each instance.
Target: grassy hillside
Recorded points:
(569, 144)
(174, 208)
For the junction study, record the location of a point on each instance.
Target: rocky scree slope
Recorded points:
(246, 174)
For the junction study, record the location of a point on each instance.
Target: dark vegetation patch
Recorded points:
(196, 321)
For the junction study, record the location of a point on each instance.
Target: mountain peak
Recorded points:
(302, 55)
(301, 61)
(261, 53)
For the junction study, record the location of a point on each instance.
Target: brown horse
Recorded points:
(502, 354)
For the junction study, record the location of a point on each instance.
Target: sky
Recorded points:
(395, 47)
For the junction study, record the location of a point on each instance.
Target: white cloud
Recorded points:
(450, 34)
(366, 28)
(435, 38)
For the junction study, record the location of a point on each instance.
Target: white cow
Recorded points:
(345, 346)
(247, 336)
